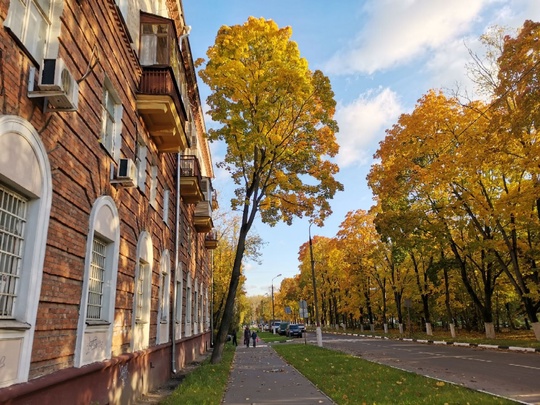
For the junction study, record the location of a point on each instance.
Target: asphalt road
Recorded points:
(510, 374)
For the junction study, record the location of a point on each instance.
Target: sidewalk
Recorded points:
(259, 376)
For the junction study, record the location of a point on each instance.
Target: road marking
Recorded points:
(521, 365)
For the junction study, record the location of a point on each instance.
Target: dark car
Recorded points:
(282, 330)
(294, 330)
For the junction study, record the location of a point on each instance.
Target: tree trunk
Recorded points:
(490, 330)
(452, 330)
(536, 329)
(221, 337)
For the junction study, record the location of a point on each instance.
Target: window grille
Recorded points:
(97, 280)
(13, 211)
(140, 294)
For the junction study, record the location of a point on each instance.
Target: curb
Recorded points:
(444, 342)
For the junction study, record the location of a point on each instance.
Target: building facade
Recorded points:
(106, 201)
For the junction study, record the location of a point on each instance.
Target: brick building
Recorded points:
(105, 201)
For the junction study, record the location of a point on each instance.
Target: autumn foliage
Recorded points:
(455, 233)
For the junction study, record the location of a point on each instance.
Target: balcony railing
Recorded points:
(159, 102)
(210, 240)
(190, 180)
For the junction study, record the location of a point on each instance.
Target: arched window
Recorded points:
(189, 307)
(142, 293)
(25, 204)
(96, 316)
(178, 304)
(164, 298)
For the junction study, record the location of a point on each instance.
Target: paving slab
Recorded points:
(260, 377)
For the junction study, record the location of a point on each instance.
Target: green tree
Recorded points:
(276, 118)
(227, 227)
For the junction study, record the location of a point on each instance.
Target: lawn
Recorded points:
(206, 384)
(507, 338)
(351, 380)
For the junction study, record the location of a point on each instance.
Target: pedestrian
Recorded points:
(254, 337)
(234, 342)
(247, 335)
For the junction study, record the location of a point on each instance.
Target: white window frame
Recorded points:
(142, 293)
(196, 308)
(112, 111)
(189, 307)
(20, 23)
(178, 301)
(94, 336)
(164, 298)
(153, 186)
(166, 204)
(140, 162)
(13, 217)
(24, 165)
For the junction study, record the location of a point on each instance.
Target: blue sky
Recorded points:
(381, 56)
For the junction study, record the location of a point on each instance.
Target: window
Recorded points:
(140, 162)
(142, 309)
(142, 293)
(153, 185)
(96, 318)
(154, 44)
(97, 278)
(12, 228)
(25, 204)
(164, 298)
(111, 134)
(178, 302)
(166, 196)
(36, 23)
(189, 307)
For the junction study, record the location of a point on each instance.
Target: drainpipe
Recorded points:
(177, 267)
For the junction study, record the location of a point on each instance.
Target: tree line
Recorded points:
(455, 231)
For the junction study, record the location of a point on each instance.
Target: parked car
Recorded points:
(275, 326)
(293, 330)
(283, 328)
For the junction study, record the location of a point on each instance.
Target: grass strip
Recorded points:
(351, 380)
(206, 384)
(269, 337)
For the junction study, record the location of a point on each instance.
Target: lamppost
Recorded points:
(273, 316)
(318, 330)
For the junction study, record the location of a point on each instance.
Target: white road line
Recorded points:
(521, 365)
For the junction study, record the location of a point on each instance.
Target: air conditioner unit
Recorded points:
(57, 84)
(126, 173)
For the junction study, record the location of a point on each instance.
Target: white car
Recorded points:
(275, 326)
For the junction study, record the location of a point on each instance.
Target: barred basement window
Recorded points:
(13, 212)
(96, 281)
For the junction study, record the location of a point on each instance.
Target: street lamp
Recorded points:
(273, 316)
(318, 329)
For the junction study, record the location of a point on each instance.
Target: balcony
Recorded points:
(203, 217)
(190, 180)
(159, 103)
(211, 241)
(203, 211)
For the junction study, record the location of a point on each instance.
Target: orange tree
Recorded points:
(276, 117)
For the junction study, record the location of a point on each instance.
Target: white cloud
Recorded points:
(362, 124)
(395, 31)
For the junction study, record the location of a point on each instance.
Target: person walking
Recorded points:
(247, 335)
(234, 341)
(254, 337)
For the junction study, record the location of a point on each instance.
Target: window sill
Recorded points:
(97, 323)
(12, 324)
